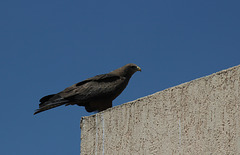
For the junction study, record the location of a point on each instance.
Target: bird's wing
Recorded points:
(100, 78)
(97, 87)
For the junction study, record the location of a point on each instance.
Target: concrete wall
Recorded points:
(198, 117)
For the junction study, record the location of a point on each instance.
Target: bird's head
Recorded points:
(130, 69)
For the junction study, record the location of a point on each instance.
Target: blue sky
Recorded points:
(49, 45)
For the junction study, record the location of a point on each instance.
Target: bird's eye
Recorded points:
(133, 67)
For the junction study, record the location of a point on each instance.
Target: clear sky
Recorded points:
(49, 45)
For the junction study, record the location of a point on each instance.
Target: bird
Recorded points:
(95, 94)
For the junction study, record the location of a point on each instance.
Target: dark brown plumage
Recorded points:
(95, 94)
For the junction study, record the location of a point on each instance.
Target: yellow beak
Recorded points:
(139, 69)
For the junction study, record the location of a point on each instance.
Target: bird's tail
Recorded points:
(49, 102)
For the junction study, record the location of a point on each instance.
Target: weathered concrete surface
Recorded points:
(198, 117)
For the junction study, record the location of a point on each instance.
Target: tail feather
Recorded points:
(49, 102)
(44, 100)
(49, 106)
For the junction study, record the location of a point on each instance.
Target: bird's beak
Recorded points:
(139, 69)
